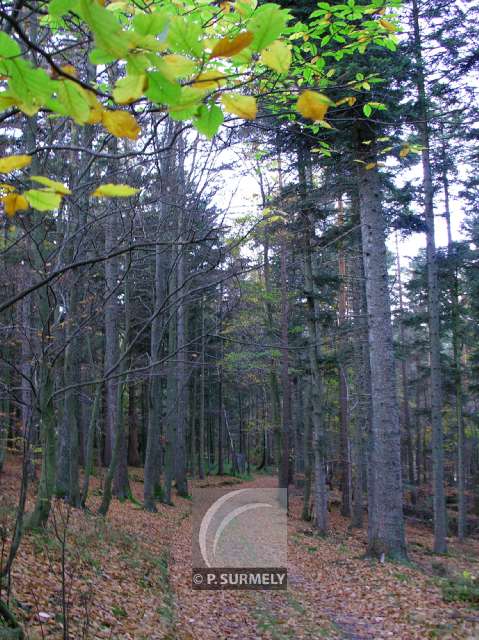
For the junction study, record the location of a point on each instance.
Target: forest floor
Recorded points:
(129, 577)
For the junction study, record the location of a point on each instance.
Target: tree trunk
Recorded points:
(201, 432)
(111, 335)
(153, 451)
(344, 450)
(308, 452)
(320, 495)
(318, 430)
(284, 467)
(39, 516)
(221, 428)
(90, 443)
(171, 391)
(272, 374)
(121, 484)
(457, 348)
(182, 378)
(44, 375)
(406, 413)
(385, 521)
(439, 501)
(134, 459)
(362, 378)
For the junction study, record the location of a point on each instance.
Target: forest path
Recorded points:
(253, 615)
(333, 592)
(130, 579)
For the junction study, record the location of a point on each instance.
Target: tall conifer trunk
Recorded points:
(385, 520)
(439, 501)
(344, 452)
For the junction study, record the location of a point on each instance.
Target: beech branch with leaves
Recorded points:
(195, 61)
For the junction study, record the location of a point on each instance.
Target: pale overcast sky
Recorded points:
(243, 195)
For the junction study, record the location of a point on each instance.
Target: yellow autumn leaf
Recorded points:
(28, 108)
(7, 188)
(73, 101)
(96, 108)
(114, 191)
(121, 124)
(277, 56)
(129, 89)
(245, 7)
(370, 165)
(350, 100)
(404, 151)
(96, 114)
(11, 163)
(209, 80)
(227, 7)
(387, 25)
(70, 69)
(242, 106)
(7, 101)
(226, 47)
(14, 202)
(114, 6)
(174, 66)
(56, 187)
(313, 105)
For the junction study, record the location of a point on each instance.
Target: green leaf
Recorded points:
(174, 66)
(277, 56)
(209, 120)
(187, 105)
(390, 44)
(73, 101)
(367, 110)
(31, 87)
(150, 24)
(27, 83)
(161, 90)
(267, 24)
(245, 7)
(43, 200)
(6, 100)
(98, 56)
(106, 28)
(114, 191)
(128, 89)
(53, 185)
(184, 36)
(137, 64)
(58, 8)
(8, 46)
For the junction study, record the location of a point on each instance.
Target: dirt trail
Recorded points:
(134, 573)
(332, 592)
(246, 615)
